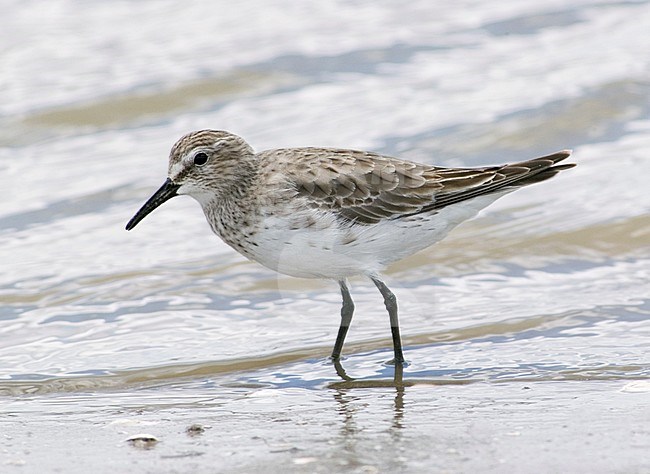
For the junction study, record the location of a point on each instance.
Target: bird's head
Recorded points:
(203, 164)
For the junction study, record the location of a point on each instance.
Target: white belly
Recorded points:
(328, 248)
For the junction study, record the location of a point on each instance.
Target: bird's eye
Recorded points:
(200, 159)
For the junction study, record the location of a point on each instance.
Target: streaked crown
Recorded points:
(209, 161)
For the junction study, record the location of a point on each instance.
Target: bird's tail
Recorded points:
(537, 169)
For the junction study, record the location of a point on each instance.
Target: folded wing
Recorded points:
(366, 187)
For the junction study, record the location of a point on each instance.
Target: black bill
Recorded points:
(165, 193)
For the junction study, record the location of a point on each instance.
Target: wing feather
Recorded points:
(367, 187)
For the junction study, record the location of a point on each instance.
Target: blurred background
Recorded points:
(526, 327)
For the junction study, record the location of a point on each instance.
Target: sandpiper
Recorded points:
(332, 213)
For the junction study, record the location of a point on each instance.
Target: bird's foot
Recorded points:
(397, 362)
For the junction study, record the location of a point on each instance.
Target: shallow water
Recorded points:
(526, 330)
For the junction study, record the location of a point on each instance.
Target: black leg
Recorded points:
(340, 371)
(346, 317)
(391, 305)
